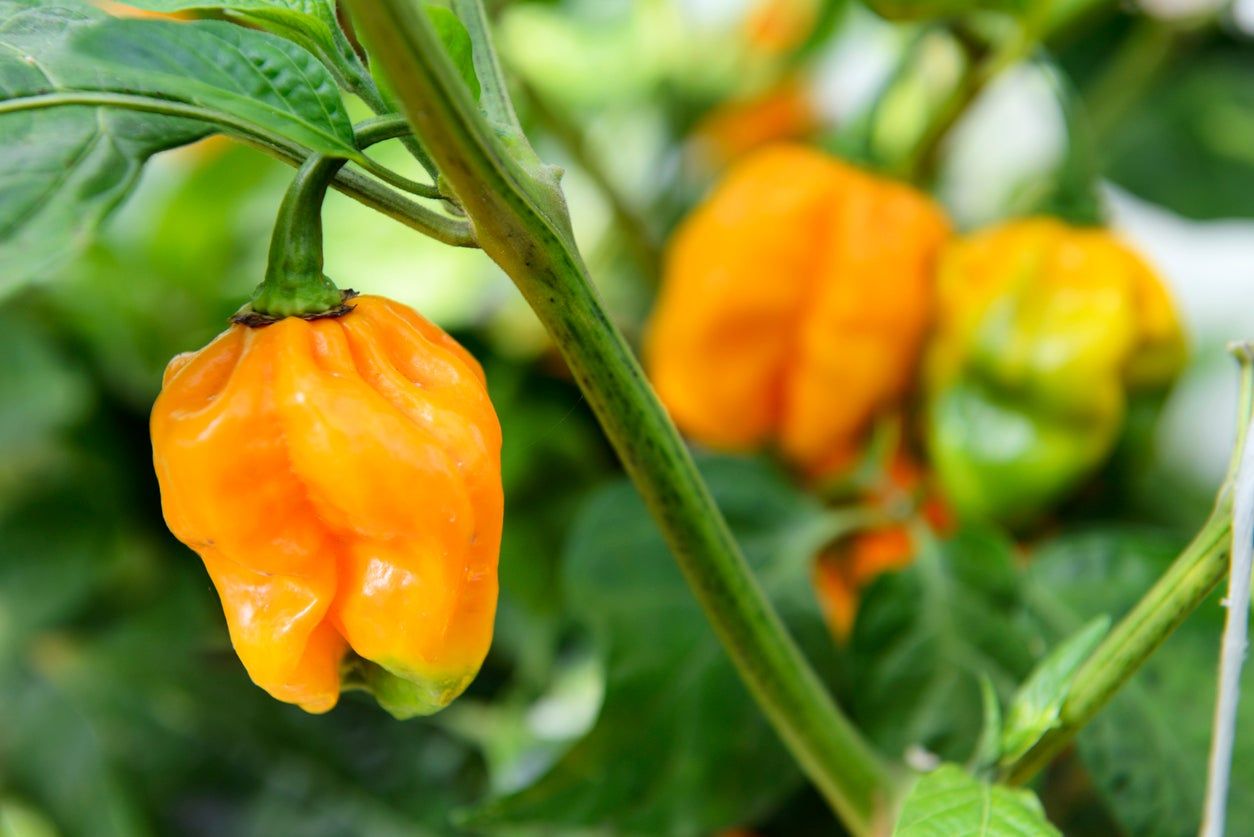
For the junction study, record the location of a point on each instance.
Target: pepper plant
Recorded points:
(89, 98)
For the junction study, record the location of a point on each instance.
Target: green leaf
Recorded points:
(310, 23)
(251, 76)
(1147, 750)
(456, 40)
(947, 802)
(65, 168)
(679, 746)
(926, 636)
(1034, 710)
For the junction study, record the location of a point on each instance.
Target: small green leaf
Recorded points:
(948, 802)
(457, 42)
(1034, 710)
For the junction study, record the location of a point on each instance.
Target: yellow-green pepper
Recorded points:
(1044, 332)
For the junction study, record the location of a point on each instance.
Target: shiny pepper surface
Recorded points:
(1044, 332)
(794, 305)
(340, 478)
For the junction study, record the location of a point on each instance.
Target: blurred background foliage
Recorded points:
(606, 698)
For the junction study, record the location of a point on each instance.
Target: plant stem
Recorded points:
(294, 284)
(399, 181)
(632, 226)
(1042, 20)
(520, 221)
(1186, 584)
(1232, 651)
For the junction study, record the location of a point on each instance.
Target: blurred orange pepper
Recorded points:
(777, 26)
(340, 478)
(793, 307)
(784, 112)
(845, 568)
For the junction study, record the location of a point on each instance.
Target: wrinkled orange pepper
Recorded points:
(793, 307)
(1044, 333)
(340, 478)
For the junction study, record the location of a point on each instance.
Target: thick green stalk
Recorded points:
(520, 221)
(1188, 581)
(630, 223)
(294, 285)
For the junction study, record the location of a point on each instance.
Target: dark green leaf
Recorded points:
(1034, 710)
(679, 746)
(949, 802)
(924, 638)
(1147, 750)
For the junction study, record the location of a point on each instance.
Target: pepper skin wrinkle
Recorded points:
(794, 306)
(340, 478)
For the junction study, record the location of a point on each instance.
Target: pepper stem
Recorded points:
(295, 285)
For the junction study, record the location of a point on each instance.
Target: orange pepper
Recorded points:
(784, 112)
(340, 479)
(794, 305)
(844, 569)
(777, 26)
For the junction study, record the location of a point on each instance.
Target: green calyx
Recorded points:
(295, 285)
(403, 695)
